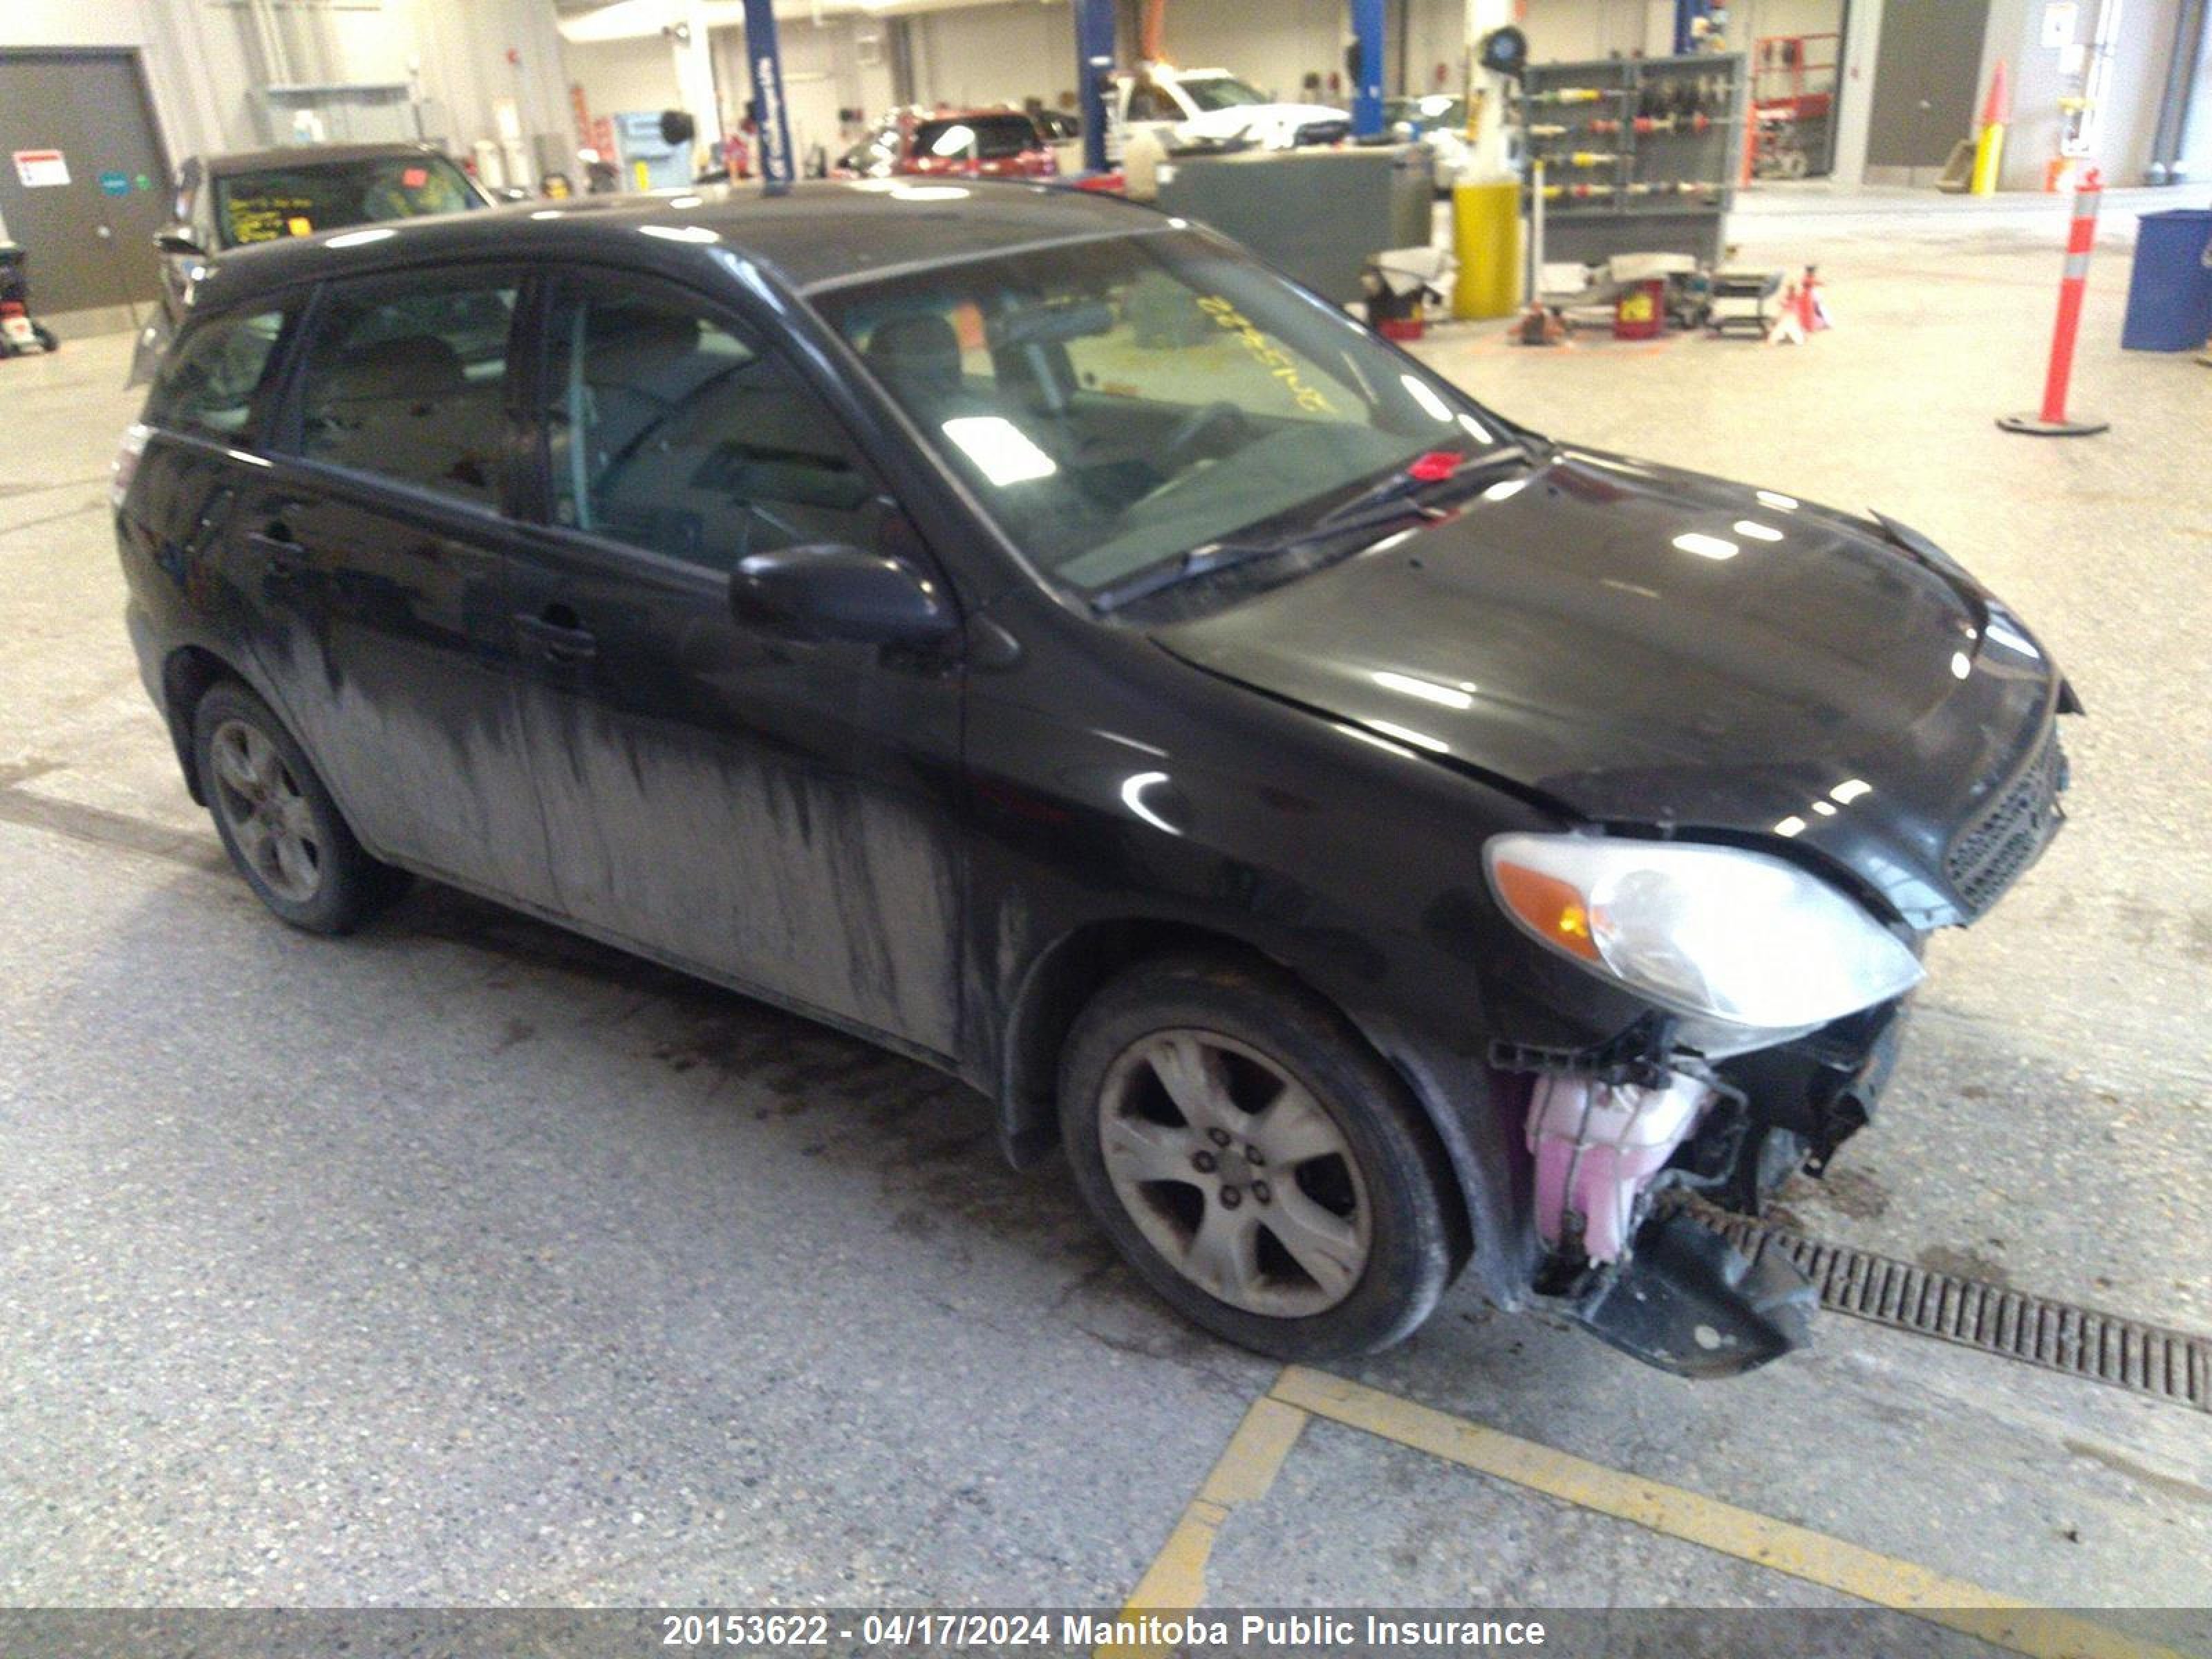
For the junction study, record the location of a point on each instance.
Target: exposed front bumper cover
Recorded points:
(1689, 1301)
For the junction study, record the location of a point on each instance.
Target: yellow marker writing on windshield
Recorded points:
(1272, 358)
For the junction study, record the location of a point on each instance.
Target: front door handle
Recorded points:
(274, 542)
(556, 635)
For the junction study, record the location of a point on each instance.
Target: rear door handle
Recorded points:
(559, 641)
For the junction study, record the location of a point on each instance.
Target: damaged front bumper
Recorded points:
(1618, 1136)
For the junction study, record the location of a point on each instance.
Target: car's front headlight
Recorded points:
(1712, 932)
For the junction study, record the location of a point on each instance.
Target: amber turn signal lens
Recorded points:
(1553, 908)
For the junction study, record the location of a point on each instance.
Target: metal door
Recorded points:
(90, 238)
(1925, 79)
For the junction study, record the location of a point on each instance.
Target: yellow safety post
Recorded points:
(1989, 157)
(1486, 236)
(1486, 200)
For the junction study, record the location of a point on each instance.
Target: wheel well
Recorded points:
(186, 677)
(1058, 985)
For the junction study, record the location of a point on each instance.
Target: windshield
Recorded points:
(1213, 92)
(990, 137)
(1121, 401)
(303, 198)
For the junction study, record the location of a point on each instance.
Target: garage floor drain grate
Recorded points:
(2058, 1336)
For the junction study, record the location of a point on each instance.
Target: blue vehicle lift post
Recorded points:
(1367, 26)
(766, 62)
(1687, 14)
(1094, 68)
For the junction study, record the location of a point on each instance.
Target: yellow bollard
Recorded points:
(1486, 236)
(1988, 155)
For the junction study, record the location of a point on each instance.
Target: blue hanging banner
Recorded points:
(773, 137)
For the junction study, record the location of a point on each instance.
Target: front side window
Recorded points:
(209, 382)
(1118, 402)
(410, 384)
(671, 431)
(300, 200)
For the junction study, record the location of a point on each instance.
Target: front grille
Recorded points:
(1990, 854)
(1323, 132)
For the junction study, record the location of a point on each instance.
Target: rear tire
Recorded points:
(279, 824)
(1254, 1161)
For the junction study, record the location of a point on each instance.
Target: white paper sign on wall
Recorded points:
(2058, 22)
(41, 169)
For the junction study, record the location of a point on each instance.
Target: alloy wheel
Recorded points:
(1235, 1173)
(267, 813)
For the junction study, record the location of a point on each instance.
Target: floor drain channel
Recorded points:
(2058, 1336)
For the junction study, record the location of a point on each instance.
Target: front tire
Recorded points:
(1254, 1162)
(279, 824)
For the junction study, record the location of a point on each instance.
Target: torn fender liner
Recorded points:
(1689, 1301)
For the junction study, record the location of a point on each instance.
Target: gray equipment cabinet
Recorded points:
(1313, 214)
(1641, 155)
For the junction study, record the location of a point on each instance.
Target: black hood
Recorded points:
(1645, 646)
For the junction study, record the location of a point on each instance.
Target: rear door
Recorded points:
(377, 540)
(200, 433)
(776, 814)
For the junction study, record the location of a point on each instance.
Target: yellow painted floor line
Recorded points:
(1175, 1582)
(1884, 1580)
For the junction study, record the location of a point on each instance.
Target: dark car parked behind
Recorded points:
(984, 143)
(237, 200)
(1372, 839)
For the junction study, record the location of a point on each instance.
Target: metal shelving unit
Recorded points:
(1642, 154)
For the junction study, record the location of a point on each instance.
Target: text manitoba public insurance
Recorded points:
(1373, 1630)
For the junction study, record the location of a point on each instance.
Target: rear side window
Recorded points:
(210, 378)
(411, 386)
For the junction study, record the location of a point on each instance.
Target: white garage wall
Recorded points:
(993, 54)
(201, 68)
(2129, 118)
(620, 75)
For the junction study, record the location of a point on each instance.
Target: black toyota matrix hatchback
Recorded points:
(1369, 837)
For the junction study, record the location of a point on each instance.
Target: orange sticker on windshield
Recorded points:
(1277, 361)
(300, 227)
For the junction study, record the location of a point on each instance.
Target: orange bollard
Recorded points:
(2049, 421)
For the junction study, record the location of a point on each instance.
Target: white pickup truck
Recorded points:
(1192, 106)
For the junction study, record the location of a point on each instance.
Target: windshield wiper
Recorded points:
(1199, 561)
(1380, 504)
(1424, 473)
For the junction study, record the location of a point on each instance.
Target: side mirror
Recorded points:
(179, 241)
(514, 193)
(830, 591)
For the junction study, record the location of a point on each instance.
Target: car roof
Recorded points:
(813, 235)
(294, 156)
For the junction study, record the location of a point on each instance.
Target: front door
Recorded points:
(774, 814)
(380, 547)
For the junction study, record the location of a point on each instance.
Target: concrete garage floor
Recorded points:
(465, 1262)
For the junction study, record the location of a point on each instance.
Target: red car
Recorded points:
(984, 143)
